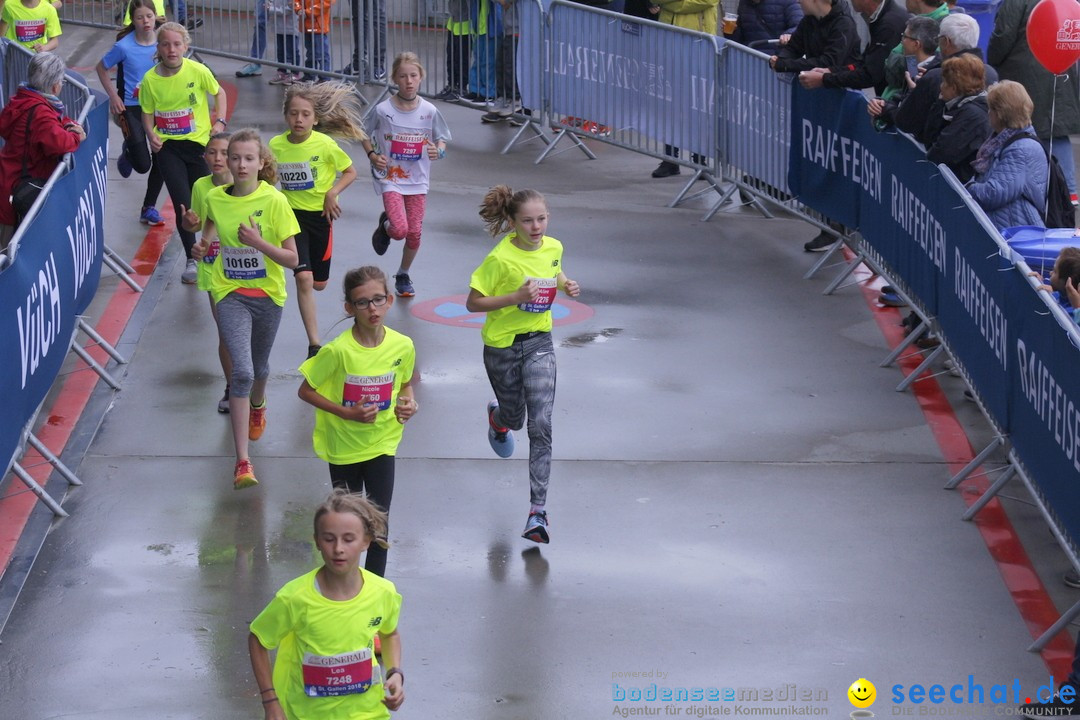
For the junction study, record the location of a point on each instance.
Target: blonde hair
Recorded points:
(407, 58)
(1010, 102)
(371, 515)
(268, 172)
(501, 204)
(176, 28)
(337, 108)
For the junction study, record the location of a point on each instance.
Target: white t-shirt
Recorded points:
(403, 138)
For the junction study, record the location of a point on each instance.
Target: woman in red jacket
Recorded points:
(42, 138)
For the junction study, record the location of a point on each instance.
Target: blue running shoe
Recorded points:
(501, 439)
(403, 285)
(150, 216)
(123, 165)
(536, 528)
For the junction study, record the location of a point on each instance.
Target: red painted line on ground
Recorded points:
(1036, 607)
(18, 502)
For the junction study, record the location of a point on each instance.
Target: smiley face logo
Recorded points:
(862, 693)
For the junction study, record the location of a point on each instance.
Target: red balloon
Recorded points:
(1053, 34)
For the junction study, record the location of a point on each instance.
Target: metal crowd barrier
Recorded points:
(46, 286)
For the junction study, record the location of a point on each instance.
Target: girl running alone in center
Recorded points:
(255, 228)
(407, 134)
(361, 386)
(516, 286)
(308, 165)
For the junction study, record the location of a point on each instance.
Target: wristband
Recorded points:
(223, 121)
(395, 671)
(442, 153)
(271, 700)
(370, 153)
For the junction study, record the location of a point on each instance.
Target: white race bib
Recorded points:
(242, 263)
(296, 176)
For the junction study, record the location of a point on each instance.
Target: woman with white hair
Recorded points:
(36, 134)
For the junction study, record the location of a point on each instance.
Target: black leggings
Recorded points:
(181, 163)
(376, 476)
(138, 153)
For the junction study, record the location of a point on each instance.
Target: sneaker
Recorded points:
(501, 439)
(598, 129)
(348, 70)
(380, 239)
(244, 475)
(536, 527)
(282, 77)
(447, 94)
(249, 70)
(256, 421)
(518, 120)
(492, 117)
(380, 74)
(478, 102)
(1073, 199)
(403, 285)
(223, 403)
(504, 107)
(194, 23)
(666, 169)
(191, 272)
(821, 243)
(123, 165)
(891, 300)
(150, 216)
(313, 350)
(1071, 579)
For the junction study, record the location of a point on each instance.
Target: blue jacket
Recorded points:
(766, 20)
(1013, 190)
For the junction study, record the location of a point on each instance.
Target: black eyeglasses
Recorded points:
(907, 37)
(362, 303)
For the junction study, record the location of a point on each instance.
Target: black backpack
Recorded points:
(1060, 212)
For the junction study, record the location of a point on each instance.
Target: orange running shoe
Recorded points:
(256, 421)
(244, 475)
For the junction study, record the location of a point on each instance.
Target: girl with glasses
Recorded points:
(360, 385)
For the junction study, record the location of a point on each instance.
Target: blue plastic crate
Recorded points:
(984, 12)
(1040, 246)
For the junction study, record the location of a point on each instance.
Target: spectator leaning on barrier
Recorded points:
(761, 20)
(826, 38)
(919, 43)
(960, 125)
(1010, 175)
(646, 9)
(886, 20)
(699, 15)
(34, 24)
(1008, 51)
(958, 35)
(38, 140)
(895, 64)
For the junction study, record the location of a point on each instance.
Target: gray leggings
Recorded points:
(523, 378)
(248, 326)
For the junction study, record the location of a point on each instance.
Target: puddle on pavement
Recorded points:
(590, 337)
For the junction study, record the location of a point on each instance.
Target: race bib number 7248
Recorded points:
(345, 674)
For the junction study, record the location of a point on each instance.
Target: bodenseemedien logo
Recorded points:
(862, 695)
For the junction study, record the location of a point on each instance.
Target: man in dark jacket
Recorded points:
(826, 37)
(886, 20)
(958, 35)
(766, 20)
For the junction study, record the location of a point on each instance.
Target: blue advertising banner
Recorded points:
(756, 127)
(632, 75)
(878, 183)
(971, 298)
(1044, 403)
(52, 279)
